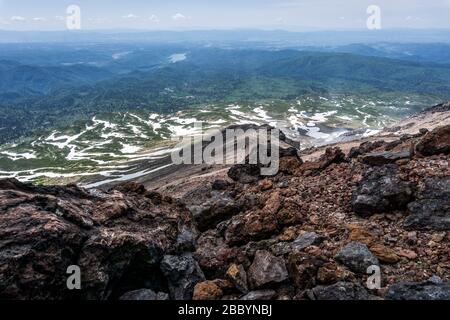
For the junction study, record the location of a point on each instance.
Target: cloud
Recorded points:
(153, 18)
(39, 19)
(98, 20)
(130, 16)
(178, 16)
(60, 18)
(3, 22)
(17, 18)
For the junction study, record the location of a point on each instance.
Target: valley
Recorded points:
(122, 146)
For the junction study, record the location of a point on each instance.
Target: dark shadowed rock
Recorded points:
(215, 256)
(209, 207)
(182, 273)
(259, 295)
(364, 148)
(384, 157)
(266, 269)
(303, 269)
(357, 257)
(427, 290)
(144, 294)
(220, 185)
(112, 236)
(341, 291)
(245, 173)
(435, 142)
(382, 191)
(431, 210)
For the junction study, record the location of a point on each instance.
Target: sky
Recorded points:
(224, 14)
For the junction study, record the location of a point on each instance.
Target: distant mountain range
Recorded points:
(82, 81)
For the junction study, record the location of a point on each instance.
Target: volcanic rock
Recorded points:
(427, 290)
(431, 210)
(435, 142)
(237, 275)
(111, 236)
(207, 290)
(182, 273)
(357, 257)
(266, 269)
(209, 207)
(144, 294)
(341, 291)
(384, 157)
(381, 190)
(259, 295)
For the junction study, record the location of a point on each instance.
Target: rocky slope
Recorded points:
(310, 232)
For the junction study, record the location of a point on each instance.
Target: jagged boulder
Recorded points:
(116, 238)
(384, 157)
(183, 273)
(357, 257)
(431, 210)
(209, 207)
(435, 142)
(256, 224)
(381, 190)
(427, 290)
(266, 269)
(341, 291)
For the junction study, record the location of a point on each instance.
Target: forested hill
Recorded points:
(41, 97)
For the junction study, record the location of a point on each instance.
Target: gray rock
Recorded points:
(185, 240)
(428, 290)
(259, 295)
(182, 273)
(341, 291)
(210, 207)
(281, 248)
(431, 210)
(357, 257)
(266, 269)
(305, 240)
(382, 191)
(384, 157)
(144, 294)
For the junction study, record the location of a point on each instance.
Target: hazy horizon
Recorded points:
(290, 15)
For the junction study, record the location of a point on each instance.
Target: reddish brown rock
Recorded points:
(109, 235)
(303, 269)
(435, 142)
(407, 254)
(384, 254)
(331, 273)
(207, 290)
